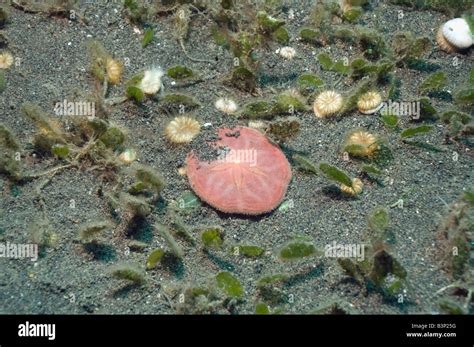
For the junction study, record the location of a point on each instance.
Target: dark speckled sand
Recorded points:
(54, 66)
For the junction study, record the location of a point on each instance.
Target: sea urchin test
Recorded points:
(250, 177)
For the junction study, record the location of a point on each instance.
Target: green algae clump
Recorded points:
(296, 250)
(229, 284)
(212, 238)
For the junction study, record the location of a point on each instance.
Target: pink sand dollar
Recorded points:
(250, 177)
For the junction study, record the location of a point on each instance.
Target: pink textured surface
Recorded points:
(251, 179)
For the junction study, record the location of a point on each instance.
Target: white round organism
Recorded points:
(128, 156)
(151, 82)
(287, 52)
(182, 129)
(226, 105)
(455, 35)
(6, 60)
(114, 70)
(327, 103)
(369, 102)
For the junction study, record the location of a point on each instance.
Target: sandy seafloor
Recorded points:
(54, 65)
